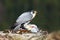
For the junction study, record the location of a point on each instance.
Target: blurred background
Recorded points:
(48, 16)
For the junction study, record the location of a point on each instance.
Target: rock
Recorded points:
(53, 35)
(24, 36)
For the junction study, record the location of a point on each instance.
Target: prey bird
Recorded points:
(31, 27)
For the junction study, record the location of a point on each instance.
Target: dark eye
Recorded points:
(33, 12)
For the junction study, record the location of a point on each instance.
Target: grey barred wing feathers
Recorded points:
(26, 16)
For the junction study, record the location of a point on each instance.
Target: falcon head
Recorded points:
(33, 13)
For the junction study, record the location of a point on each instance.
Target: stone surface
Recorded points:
(24, 36)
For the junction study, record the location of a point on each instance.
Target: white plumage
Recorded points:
(31, 27)
(23, 18)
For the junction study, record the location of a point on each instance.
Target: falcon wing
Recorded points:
(24, 17)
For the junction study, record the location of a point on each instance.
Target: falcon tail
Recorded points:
(13, 26)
